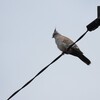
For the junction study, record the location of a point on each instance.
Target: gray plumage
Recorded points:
(64, 42)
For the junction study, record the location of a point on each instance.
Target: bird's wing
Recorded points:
(67, 42)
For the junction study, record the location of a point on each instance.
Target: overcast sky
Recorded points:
(26, 46)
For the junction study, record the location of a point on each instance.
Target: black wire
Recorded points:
(35, 76)
(77, 40)
(45, 67)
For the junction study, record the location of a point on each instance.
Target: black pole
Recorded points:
(98, 11)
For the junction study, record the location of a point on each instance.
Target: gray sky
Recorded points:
(26, 46)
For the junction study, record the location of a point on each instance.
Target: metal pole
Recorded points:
(98, 11)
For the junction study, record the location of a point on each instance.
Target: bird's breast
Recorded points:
(62, 46)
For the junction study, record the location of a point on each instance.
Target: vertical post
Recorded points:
(98, 11)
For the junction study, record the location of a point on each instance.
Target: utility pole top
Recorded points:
(96, 23)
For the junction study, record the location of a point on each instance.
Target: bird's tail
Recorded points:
(84, 59)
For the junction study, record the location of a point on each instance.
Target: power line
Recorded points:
(35, 76)
(44, 68)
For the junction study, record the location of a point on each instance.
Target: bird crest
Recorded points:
(55, 30)
(54, 33)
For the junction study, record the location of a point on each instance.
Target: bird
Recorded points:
(64, 42)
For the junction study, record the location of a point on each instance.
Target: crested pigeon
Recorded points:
(64, 42)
